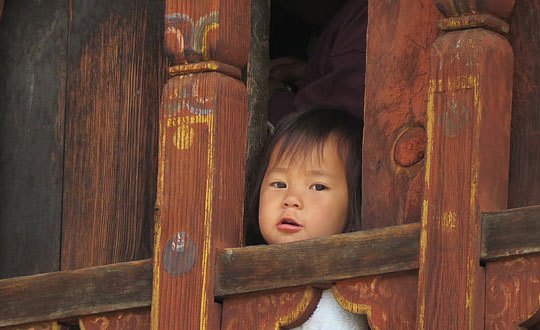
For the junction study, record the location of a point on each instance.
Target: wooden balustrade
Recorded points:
(60, 295)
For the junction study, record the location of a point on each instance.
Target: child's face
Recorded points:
(302, 199)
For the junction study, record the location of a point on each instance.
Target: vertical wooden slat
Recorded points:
(524, 189)
(395, 102)
(114, 76)
(202, 150)
(32, 87)
(203, 124)
(469, 105)
(512, 288)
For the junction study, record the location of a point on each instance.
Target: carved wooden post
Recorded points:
(469, 110)
(203, 127)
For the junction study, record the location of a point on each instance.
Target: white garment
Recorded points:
(330, 316)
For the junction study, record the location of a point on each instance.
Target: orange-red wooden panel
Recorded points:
(513, 294)
(389, 301)
(124, 320)
(395, 106)
(203, 124)
(273, 310)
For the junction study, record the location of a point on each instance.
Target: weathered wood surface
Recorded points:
(524, 34)
(203, 127)
(452, 8)
(320, 260)
(32, 88)
(279, 309)
(114, 76)
(208, 66)
(138, 319)
(257, 91)
(511, 232)
(38, 326)
(73, 293)
(469, 108)
(389, 301)
(203, 30)
(512, 294)
(395, 105)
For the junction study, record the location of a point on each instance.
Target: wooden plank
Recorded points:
(397, 67)
(203, 30)
(511, 232)
(32, 88)
(469, 107)
(114, 76)
(524, 187)
(138, 319)
(316, 261)
(203, 126)
(279, 309)
(73, 293)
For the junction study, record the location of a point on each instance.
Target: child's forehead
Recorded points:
(313, 154)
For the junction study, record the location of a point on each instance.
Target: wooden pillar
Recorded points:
(469, 110)
(202, 146)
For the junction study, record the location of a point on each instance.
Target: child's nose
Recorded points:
(292, 201)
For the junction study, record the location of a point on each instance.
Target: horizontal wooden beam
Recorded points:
(510, 233)
(319, 260)
(80, 292)
(505, 233)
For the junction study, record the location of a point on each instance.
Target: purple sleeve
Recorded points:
(280, 105)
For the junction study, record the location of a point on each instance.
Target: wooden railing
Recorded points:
(122, 286)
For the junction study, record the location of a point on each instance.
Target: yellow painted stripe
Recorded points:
(207, 222)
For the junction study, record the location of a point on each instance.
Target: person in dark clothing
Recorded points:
(334, 75)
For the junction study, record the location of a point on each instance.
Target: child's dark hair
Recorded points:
(298, 134)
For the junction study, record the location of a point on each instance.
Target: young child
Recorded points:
(309, 185)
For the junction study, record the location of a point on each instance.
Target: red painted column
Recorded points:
(468, 126)
(202, 150)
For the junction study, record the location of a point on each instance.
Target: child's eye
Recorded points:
(318, 187)
(279, 185)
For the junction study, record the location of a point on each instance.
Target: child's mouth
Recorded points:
(289, 225)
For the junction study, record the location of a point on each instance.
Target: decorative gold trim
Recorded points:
(300, 309)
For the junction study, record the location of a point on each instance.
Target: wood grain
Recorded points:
(32, 87)
(114, 76)
(38, 326)
(203, 30)
(513, 294)
(73, 293)
(469, 109)
(320, 260)
(524, 188)
(138, 319)
(395, 102)
(203, 128)
(511, 232)
(389, 300)
(453, 8)
(279, 309)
